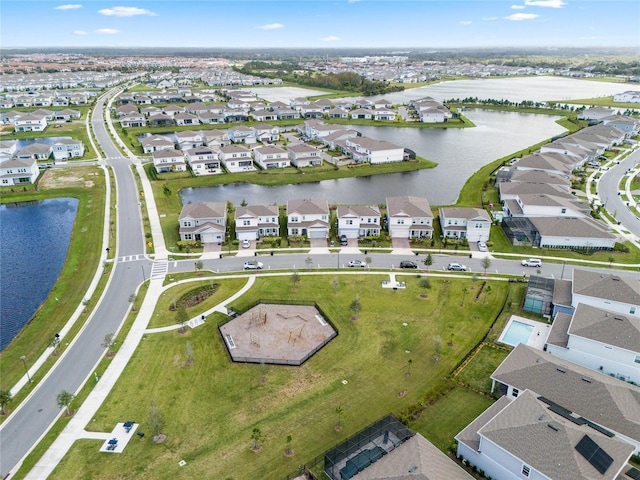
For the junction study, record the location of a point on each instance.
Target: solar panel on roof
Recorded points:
(633, 473)
(596, 456)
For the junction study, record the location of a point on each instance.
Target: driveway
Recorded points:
(318, 245)
(401, 243)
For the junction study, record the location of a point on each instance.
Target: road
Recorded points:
(37, 413)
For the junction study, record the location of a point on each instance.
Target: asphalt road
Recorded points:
(37, 413)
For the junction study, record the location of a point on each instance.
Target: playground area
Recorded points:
(277, 334)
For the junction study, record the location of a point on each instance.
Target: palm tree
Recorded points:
(64, 399)
(256, 437)
(5, 399)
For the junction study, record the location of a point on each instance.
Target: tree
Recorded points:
(425, 283)
(308, 262)
(486, 264)
(108, 342)
(355, 306)
(132, 300)
(182, 317)
(288, 451)
(428, 261)
(199, 266)
(409, 362)
(5, 399)
(55, 343)
(367, 260)
(340, 414)
(611, 259)
(64, 399)
(295, 279)
(257, 439)
(156, 420)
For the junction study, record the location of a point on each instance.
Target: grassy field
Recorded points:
(211, 407)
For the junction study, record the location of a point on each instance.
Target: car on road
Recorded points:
(531, 262)
(482, 247)
(457, 267)
(252, 265)
(408, 264)
(246, 243)
(357, 263)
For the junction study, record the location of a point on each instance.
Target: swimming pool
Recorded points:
(516, 333)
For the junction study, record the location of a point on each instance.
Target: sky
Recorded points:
(320, 23)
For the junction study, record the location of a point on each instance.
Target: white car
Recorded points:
(482, 247)
(246, 243)
(251, 265)
(457, 267)
(531, 262)
(357, 263)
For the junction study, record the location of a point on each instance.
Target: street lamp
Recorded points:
(144, 278)
(24, 362)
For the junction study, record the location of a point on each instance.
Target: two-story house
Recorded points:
(67, 148)
(189, 139)
(474, 224)
(236, 158)
(358, 221)
(203, 161)
(242, 134)
(266, 133)
(270, 156)
(308, 218)
(171, 160)
(304, 155)
(153, 143)
(255, 221)
(30, 123)
(369, 150)
(18, 171)
(204, 222)
(409, 217)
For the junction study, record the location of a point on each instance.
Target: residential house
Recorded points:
(590, 398)
(150, 111)
(311, 111)
(18, 171)
(304, 155)
(242, 134)
(256, 221)
(384, 114)
(126, 109)
(317, 129)
(596, 113)
(369, 150)
(532, 176)
(169, 161)
(153, 143)
(30, 123)
(203, 161)
(363, 103)
(133, 120)
(474, 224)
(298, 102)
(216, 138)
(210, 118)
(337, 113)
(172, 110)
(358, 221)
(629, 125)
(552, 162)
(430, 110)
(263, 115)
(189, 139)
(599, 339)
(542, 205)
(630, 96)
(266, 133)
(236, 158)
(185, 119)
(511, 190)
(37, 151)
(615, 293)
(323, 103)
(160, 120)
(285, 113)
(532, 437)
(383, 103)
(8, 147)
(234, 115)
(204, 222)
(308, 218)
(409, 217)
(66, 115)
(43, 112)
(196, 108)
(337, 139)
(67, 148)
(571, 232)
(270, 156)
(361, 114)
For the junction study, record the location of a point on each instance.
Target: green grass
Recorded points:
(476, 373)
(440, 422)
(211, 407)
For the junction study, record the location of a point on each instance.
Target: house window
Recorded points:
(401, 221)
(526, 469)
(294, 219)
(246, 222)
(515, 392)
(564, 210)
(187, 236)
(294, 231)
(186, 223)
(349, 222)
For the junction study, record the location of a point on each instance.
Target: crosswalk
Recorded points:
(159, 270)
(130, 258)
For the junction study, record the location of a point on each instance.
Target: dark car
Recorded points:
(408, 264)
(343, 240)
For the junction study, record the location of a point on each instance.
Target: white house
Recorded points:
(595, 113)
(204, 222)
(543, 205)
(304, 155)
(579, 393)
(384, 114)
(185, 119)
(598, 339)
(216, 138)
(530, 438)
(133, 120)
(358, 221)
(203, 161)
(572, 232)
(619, 294)
(169, 161)
(67, 148)
(189, 139)
(361, 114)
(630, 96)
(18, 171)
(30, 123)
(37, 151)
(266, 133)
(270, 156)
(474, 224)
(409, 217)
(8, 147)
(242, 134)
(153, 143)
(255, 221)
(236, 158)
(369, 150)
(308, 218)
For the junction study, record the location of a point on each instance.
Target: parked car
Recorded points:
(482, 247)
(457, 267)
(252, 265)
(531, 262)
(594, 164)
(343, 240)
(408, 264)
(357, 263)
(246, 243)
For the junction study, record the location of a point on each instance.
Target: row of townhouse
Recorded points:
(538, 207)
(406, 217)
(429, 110)
(46, 98)
(33, 83)
(570, 410)
(37, 120)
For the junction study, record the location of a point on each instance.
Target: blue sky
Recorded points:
(320, 23)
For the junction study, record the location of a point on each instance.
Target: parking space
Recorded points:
(399, 243)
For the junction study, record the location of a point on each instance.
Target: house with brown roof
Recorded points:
(236, 158)
(270, 156)
(409, 217)
(204, 222)
(532, 437)
(152, 143)
(170, 160)
(308, 218)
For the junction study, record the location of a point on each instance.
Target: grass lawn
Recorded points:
(440, 422)
(476, 373)
(211, 407)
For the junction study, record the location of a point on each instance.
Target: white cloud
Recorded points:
(79, 32)
(465, 22)
(126, 12)
(69, 6)
(330, 38)
(545, 3)
(107, 31)
(517, 7)
(271, 26)
(490, 18)
(353, 1)
(518, 17)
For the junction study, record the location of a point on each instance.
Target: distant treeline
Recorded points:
(346, 81)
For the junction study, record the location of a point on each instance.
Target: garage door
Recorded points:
(246, 236)
(317, 234)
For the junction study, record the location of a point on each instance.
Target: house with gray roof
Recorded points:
(571, 232)
(511, 190)
(532, 176)
(153, 143)
(358, 221)
(37, 151)
(629, 125)
(598, 339)
(595, 113)
(30, 123)
(256, 221)
(617, 293)
(18, 171)
(474, 224)
(66, 148)
(409, 217)
(308, 218)
(543, 205)
(204, 222)
(270, 156)
(590, 398)
(530, 437)
(304, 155)
(204, 161)
(170, 160)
